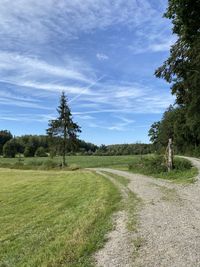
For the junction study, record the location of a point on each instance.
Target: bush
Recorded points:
(149, 165)
(11, 148)
(40, 152)
(182, 164)
(156, 164)
(29, 151)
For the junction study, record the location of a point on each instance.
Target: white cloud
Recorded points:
(22, 103)
(126, 99)
(157, 43)
(33, 67)
(29, 72)
(164, 45)
(102, 57)
(40, 21)
(118, 124)
(36, 25)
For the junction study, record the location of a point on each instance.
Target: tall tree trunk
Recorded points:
(64, 146)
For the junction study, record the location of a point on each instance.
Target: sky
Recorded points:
(102, 53)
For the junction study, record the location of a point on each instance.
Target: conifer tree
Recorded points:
(63, 127)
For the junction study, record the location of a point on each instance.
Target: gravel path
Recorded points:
(169, 225)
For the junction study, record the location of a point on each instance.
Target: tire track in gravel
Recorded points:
(118, 250)
(169, 225)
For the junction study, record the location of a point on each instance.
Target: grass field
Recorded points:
(117, 162)
(53, 218)
(81, 161)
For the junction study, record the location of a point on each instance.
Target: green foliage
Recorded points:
(54, 219)
(182, 70)
(63, 128)
(124, 149)
(150, 165)
(29, 151)
(11, 148)
(40, 152)
(154, 132)
(181, 164)
(155, 166)
(173, 125)
(79, 161)
(5, 136)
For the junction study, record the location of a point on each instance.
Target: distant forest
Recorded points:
(40, 146)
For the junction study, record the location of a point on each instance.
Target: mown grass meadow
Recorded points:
(79, 161)
(53, 218)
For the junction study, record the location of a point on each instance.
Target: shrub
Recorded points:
(29, 151)
(182, 164)
(10, 149)
(156, 164)
(40, 152)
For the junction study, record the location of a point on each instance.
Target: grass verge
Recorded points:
(53, 218)
(154, 166)
(131, 203)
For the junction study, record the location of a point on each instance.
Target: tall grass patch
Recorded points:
(155, 166)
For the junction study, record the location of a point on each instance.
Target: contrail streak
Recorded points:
(90, 86)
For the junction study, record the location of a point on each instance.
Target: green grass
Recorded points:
(79, 161)
(53, 218)
(131, 203)
(185, 176)
(150, 166)
(116, 162)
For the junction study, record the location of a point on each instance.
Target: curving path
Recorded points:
(169, 225)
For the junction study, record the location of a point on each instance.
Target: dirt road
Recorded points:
(169, 225)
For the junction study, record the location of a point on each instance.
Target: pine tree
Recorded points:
(63, 129)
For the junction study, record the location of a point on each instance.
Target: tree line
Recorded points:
(41, 146)
(37, 145)
(181, 122)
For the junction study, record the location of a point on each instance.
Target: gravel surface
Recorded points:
(118, 249)
(169, 225)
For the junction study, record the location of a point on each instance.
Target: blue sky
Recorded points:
(102, 53)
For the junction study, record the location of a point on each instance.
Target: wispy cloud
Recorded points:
(39, 22)
(28, 72)
(89, 49)
(26, 66)
(22, 103)
(102, 57)
(127, 99)
(160, 44)
(117, 124)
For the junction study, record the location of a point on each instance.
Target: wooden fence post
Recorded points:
(170, 156)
